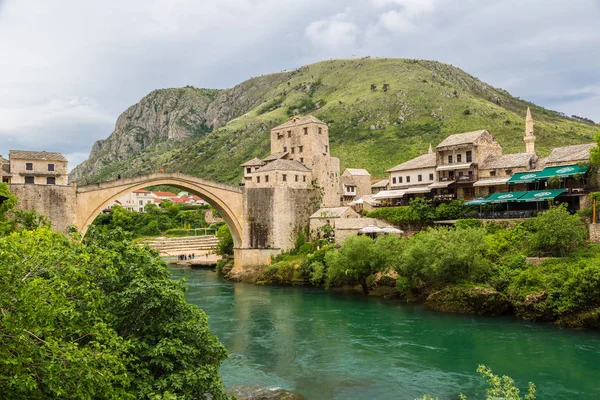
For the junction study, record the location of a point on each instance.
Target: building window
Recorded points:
(469, 156)
(399, 179)
(258, 179)
(320, 130)
(408, 179)
(306, 130)
(394, 180)
(492, 173)
(303, 178)
(279, 135)
(296, 178)
(508, 172)
(326, 149)
(458, 157)
(302, 160)
(50, 180)
(300, 149)
(50, 167)
(460, 173)
(285, 149)
(141, 202)
(266, 178)
(449, 159)
(289, 133)
(293, 148)
(430, 177)
(420, 178)
(249, 170)
(470, 173)
(284, 177)
(29, 166)
(30, 180)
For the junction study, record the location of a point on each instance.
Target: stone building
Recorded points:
(136, 200)
(579, 153)
(38, 167)
(329, 216)
(380, 185)
(2, 162)
(283, 189)
(459, 157)
(306, 139)
(355, 183)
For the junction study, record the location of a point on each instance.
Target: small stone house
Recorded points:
(568, 155)
(351, 226)
(38, 167)
(329, 216)
(379, 186)
(497, 170)
(355, 183)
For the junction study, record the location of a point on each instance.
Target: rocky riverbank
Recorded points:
(463, 299)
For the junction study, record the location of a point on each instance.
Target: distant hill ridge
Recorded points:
(381, 112)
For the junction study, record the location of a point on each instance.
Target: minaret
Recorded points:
(529, 136)
(430, 149)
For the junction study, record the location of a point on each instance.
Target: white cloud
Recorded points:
(334, 32)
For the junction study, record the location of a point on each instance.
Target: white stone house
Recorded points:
(329, 216)
(37, 168)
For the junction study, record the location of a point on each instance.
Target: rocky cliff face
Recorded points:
(167, 116)
(381, 112)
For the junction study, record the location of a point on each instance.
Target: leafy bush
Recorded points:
(468, 223)
(556, 232)
(225, 245)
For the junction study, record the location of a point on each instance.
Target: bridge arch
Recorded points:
(227, 199)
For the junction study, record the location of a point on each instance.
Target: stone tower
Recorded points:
(529, 136)
(306, 140)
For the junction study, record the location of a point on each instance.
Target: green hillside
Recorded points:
(381, 112)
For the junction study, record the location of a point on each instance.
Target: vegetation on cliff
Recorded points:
(99, 318)
(380, 112)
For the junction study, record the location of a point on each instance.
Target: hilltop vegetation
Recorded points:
(380, 111)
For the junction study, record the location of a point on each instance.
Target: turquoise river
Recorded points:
(338, 346)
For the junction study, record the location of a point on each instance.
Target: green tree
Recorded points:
(556, 232)
(7, 203)
(101, 319)
(225, 245)
(353, 263)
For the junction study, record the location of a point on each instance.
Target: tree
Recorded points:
(101, 319)
(225, 245)
(353, 263)
(7, 203)
(556, 232)
(595, 151)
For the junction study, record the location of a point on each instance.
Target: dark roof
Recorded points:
(425, 161)
(36, 155)
(381, 184)
(299, 121)
(578, 152)
(509, 161)
(275, 156)
(253, 163)
(461, 138)
(284, 165)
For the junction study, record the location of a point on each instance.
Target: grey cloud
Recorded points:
(107, 55)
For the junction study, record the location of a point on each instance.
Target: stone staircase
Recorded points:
(183, 245)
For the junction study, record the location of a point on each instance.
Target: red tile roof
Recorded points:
(165, 194)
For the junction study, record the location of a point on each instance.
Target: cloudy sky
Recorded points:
(68, 68)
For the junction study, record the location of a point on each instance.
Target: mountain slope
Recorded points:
(380, 111)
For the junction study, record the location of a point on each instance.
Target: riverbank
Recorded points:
(470, 269)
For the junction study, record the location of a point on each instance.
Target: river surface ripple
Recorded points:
(339, 346)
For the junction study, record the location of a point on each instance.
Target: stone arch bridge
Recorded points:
(263, 221)
(227, 199)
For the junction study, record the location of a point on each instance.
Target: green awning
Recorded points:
(541, 195)
(562, 171)
(480, 201)
(505, 197)
(524, 177)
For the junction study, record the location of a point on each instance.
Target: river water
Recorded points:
(339, 346)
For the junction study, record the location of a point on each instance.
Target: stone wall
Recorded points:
(58, 203)
(274, 216)
(594, 233)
